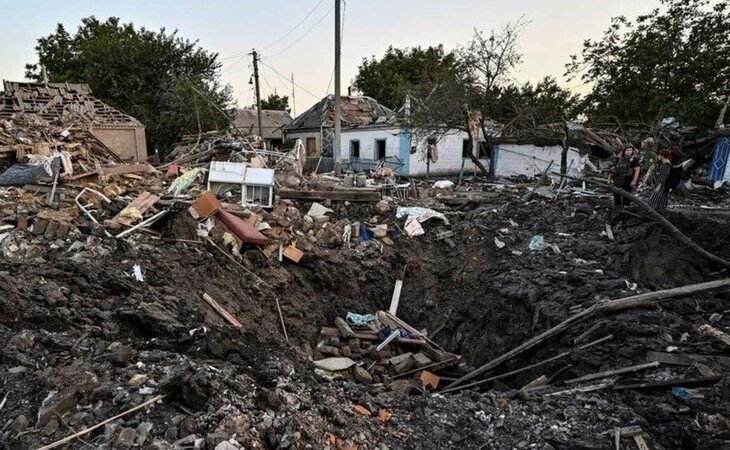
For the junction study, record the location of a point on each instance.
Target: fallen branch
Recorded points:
(674, 231)
(101, 424)
(635, 301)
(220, 310)
(709, 330)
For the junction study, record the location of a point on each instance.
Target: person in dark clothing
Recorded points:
(625, 174)
(659, 194)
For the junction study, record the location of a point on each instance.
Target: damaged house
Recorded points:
(66, 102)
(272, 125)
(373, 134)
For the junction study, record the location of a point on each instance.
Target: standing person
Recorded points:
(658, 199)
(625, 174)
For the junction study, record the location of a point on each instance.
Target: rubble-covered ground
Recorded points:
(83, 340)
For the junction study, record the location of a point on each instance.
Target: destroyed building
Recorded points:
(273, 123)
(373, 135)
(75, 103)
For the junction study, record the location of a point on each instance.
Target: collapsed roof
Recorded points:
(60, 102)
(272, 122)
(356, 112)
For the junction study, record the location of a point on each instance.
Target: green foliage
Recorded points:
(401, 72)
(531, 105)
(276, 102)
(168, 83)
(674, 61)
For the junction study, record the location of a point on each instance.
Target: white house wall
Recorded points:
(450, 147)
(304, 135)
(367, 138)
(530, 160)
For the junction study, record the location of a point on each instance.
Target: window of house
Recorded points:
(466, 148)
(258, 195)
(380, 149)
(483, 149)
(311, 146)
(354, 149)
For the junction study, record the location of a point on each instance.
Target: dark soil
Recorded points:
(73, 320)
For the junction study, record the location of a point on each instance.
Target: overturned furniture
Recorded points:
(255, 185)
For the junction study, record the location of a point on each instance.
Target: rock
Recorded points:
(225, 445)
(121, 355)
(143, 430)
(17, 369)
(421, 360)
(387, 241)
(380, 231)
(382, 208)
(56, 403)
(19, 424)
(402, 363)
(362, 375)
(138, 380)
(344, 328)
(125, 439)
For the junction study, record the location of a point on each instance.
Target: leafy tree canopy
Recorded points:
(276, 102)
(674, 61)
(401, 72)
(168, 83)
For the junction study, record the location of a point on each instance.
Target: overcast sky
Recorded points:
(232, 28)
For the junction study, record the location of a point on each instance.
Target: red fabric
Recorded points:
(244, 230)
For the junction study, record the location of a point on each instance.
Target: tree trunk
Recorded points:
(472, 129)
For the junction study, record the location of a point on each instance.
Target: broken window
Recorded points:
(258, 195)
(466, 149)
(354, 149)
(311, 146)
(380, 149)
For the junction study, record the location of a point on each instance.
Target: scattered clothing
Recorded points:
(359, 319)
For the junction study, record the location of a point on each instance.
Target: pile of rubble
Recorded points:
(173, 307)
(378, 349)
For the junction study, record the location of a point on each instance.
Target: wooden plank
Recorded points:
(610, 373)
(341, 196)
(683, 382)
(333, 331)
(122, 169)
(685, 359)
(709, 330)
(640, 442)
(635, 301)
(142, 203)
(225, 314)
(396, 297)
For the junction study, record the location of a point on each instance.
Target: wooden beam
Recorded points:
(635, 301)
(341, 196)
(220, 310)
(684, 382)
(674, 231)
(610, 373)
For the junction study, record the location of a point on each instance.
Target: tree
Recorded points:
(168, 83)
(466, 95)
(276, 102)
(401, 72)
(674, 61)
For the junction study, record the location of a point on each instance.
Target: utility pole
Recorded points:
(293, 99)
(258, 91)
(336, 147)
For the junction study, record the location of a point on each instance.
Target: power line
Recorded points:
(295, 26)
(289, 80)
(303, 35)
